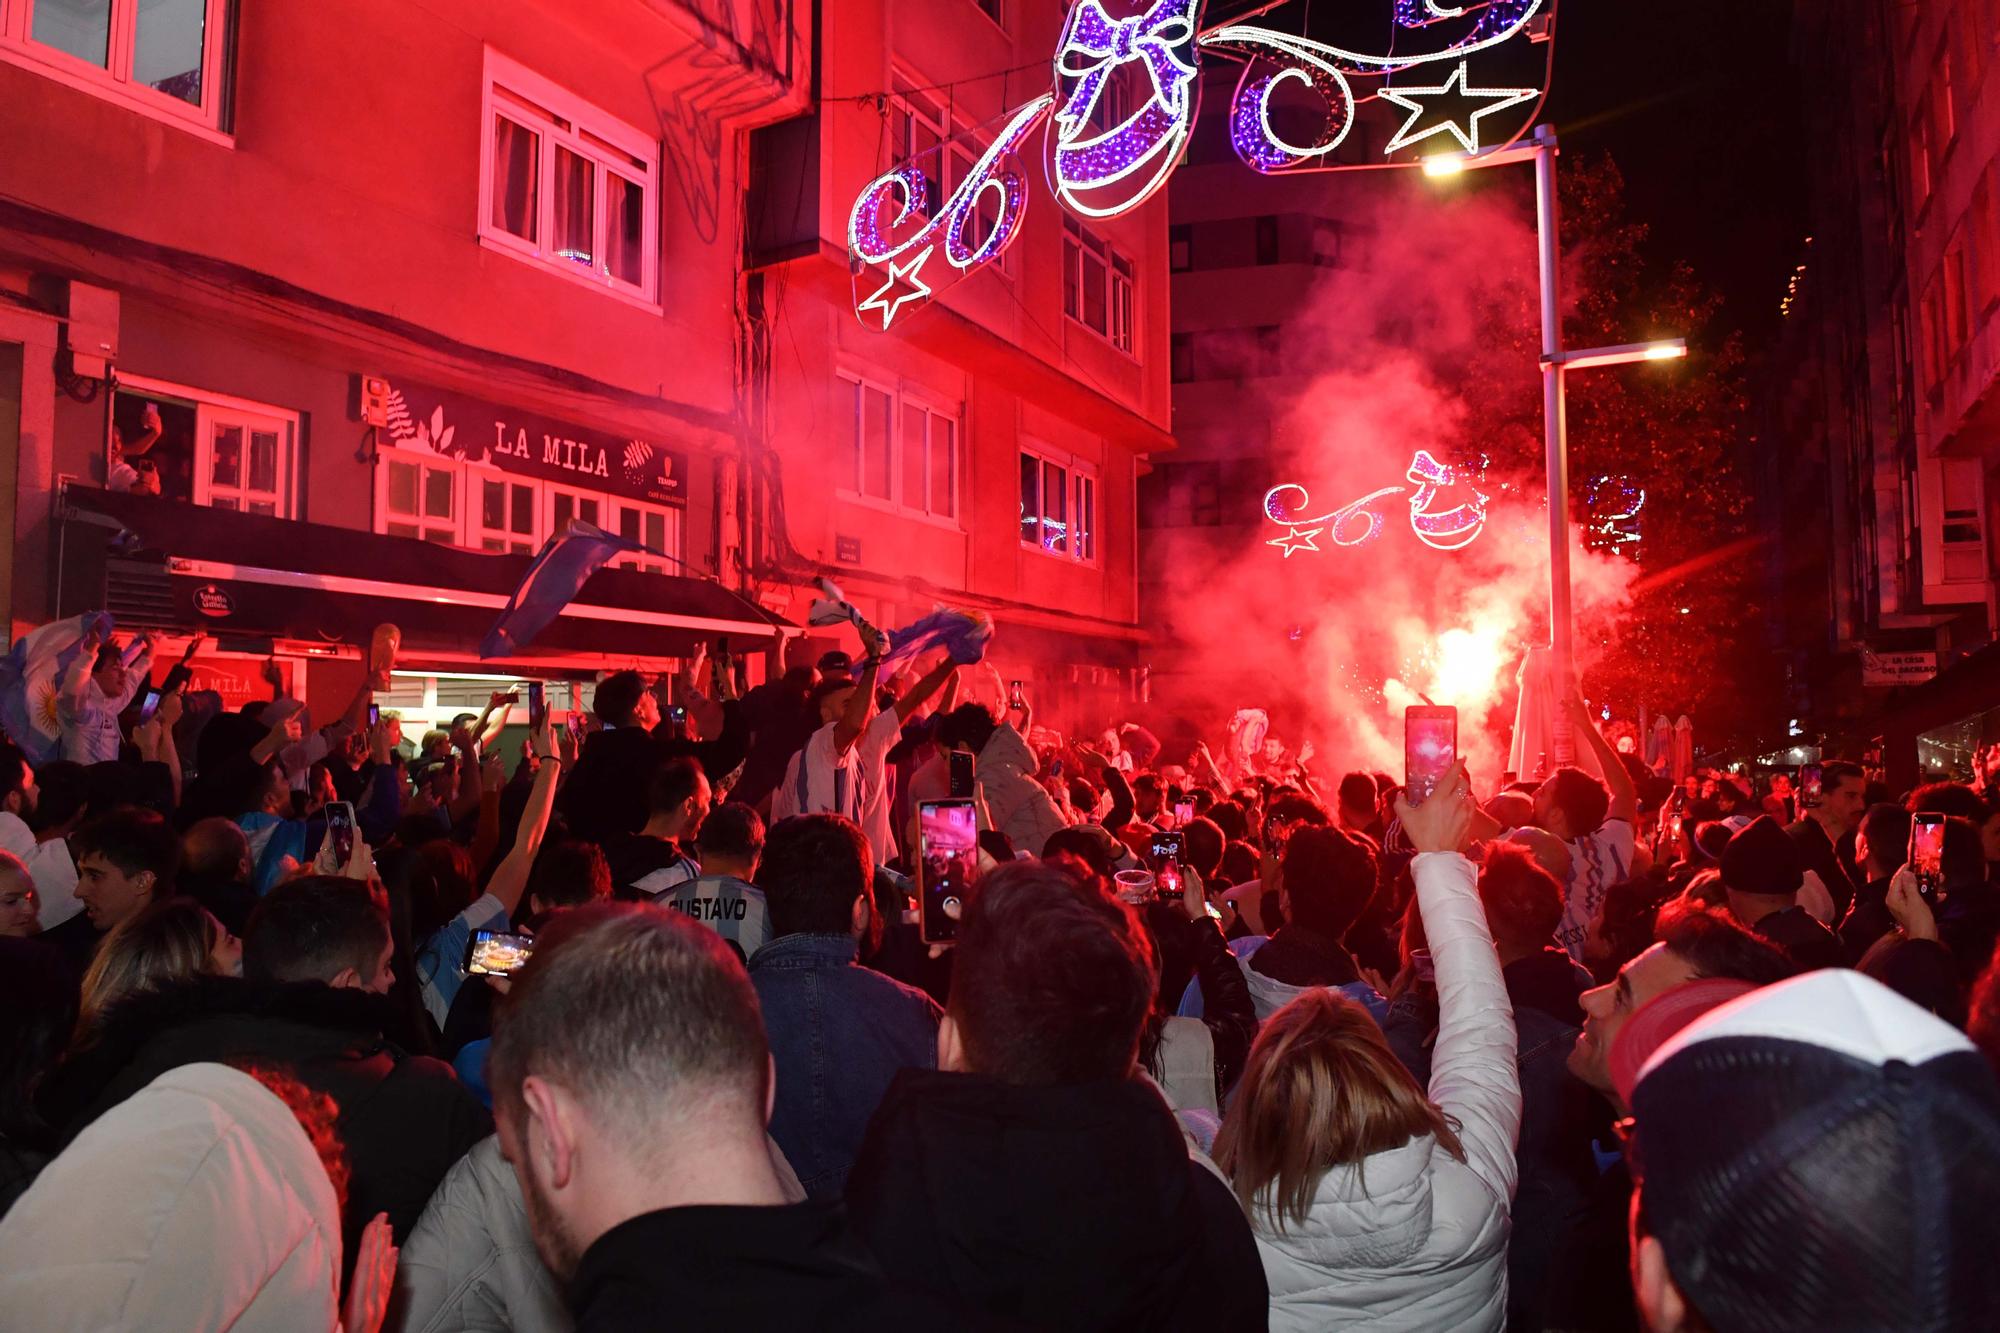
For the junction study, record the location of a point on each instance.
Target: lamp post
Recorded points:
(1556, 362)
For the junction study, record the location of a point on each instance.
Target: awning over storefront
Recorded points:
(1962, 691)
(186, 566)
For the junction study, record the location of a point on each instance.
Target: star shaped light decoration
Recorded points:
(912, 273)
(1296, 540)
(1460, 102)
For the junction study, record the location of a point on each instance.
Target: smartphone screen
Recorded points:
(1183, 813)
(374, 716)
(575, 724)
(1015, 699)
(1811, 785)
(961, 773)
(494, 953)
(947, 859)
(1430, 748)
(1927, 849)
(340, 829)
(1166, 847)
(538, 705)
(150, 704)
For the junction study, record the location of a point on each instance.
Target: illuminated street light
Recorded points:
(1556, 363)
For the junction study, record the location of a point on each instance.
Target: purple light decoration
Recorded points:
(1445, 529)
(1495, 16)
(866, 238)
(1258, 143)
(1147, 144)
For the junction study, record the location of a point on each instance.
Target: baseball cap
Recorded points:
(1659, 1019)
(1822, 1153)
(835, 663)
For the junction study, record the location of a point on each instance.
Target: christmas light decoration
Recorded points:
(873, 238)
(1120, 169)
(1614, 504)
(911, 273)
(1100, 173)
(1445, 529)
(1454, 89)
(1442, 529)
(1423, 32)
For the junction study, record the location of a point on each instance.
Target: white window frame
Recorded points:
(385, 457)
(674, 542)
(474, 529)
(467, 526)
(1120, 287)
(1078, 474)
(901, 400)
(213, 408)
(914, 105)
(113, 79)
(578, 498)
(562, 119)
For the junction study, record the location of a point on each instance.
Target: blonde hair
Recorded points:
(1322, 1089)
(170, 941)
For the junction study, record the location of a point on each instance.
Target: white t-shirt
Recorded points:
(854, 784)
(1596, 862)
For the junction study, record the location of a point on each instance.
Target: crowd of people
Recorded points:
(1596, 1051)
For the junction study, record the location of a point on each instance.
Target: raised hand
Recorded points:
(374, 1278)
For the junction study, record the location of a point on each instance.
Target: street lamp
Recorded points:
(1556, 362)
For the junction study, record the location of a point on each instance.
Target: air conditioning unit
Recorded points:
(91, 334)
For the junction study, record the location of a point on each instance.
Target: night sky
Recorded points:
(1696, 103)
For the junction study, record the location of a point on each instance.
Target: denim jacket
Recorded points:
(839, 1033)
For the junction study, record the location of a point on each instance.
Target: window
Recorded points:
(1058, 507)
(1098, 286)
(921, 130)
(1180, 247)
(1181, 349)
(1267, 240)
(165, 58)
(903, 450)
(566, 186)
(991, 9)
(1955, 324)
(227, 453)
(1944, 116)
(454, 504)
(1934, 352)
(651, 525)
(1920, 158)
(417, 498)
(506, 520)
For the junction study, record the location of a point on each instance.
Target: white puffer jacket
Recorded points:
(196, 1203)
(1019, 806)
(1412, 1238)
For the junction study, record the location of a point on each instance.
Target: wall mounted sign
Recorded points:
(425, 420)
(1433, 77)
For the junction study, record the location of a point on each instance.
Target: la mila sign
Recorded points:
(422, 419)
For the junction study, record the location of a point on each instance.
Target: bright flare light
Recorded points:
(1444, 164)
(1668, 351)
(1466, 664)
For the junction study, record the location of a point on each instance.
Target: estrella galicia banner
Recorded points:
(436, 421)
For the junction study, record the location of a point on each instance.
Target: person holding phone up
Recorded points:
(1398, 1214)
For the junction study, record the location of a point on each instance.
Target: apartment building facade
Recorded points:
(313, 316)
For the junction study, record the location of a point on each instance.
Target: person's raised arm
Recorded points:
(136, 672)
(170, 713)
(283, 732)
(510, 880)
(1624, 794)
(920, 693)
(1474, 1077)
(855, 720)
(1122, 805)
(76, 681)
(1206, 759)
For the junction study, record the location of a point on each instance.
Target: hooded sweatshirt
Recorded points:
(1077, 1207)
(198, 1203)
(1413, 1238)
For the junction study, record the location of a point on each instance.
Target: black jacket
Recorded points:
(1061, 1208)
(1804, 940)
(1823, 858)
(403, 1119)
(714, 1267)
(606, 795)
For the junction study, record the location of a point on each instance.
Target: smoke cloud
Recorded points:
(1426, 334)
